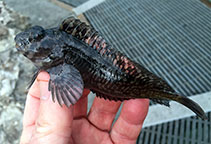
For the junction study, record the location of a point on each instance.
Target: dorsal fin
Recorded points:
(85, 33)
(91, 37)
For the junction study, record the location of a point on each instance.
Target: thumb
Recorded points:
(54, 122)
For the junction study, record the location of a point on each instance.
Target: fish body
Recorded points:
(77, 57)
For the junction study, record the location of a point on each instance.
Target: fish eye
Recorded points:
(36, 37)
(36, 33)
(30, 39)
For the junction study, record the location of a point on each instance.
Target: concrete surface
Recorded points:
(41, 12)
(86, 6)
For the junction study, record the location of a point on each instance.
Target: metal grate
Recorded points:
(74, 3)
(185, 131)
(171, 39)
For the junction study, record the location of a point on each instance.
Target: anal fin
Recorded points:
(162, 102)
(101, 95)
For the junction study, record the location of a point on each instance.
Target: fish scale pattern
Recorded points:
(172, 39)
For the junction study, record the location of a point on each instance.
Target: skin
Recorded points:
(46, 122)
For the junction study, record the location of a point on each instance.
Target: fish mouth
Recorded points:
(19, 47)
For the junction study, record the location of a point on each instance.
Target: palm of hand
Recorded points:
(46, 122)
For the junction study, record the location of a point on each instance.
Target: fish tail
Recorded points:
(160, 95)
(191, 105)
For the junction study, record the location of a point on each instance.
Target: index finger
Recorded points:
(30, 112)
(32, 105)
(33, 101)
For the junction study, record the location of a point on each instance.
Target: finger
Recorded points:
(102, 113)
(54, 122)
(32, 105)
(80, 108)
(30, 112)
(129, 124)
(85, 133)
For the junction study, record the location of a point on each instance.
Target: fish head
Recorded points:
(39, 46)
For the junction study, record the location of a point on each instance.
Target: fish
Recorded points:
(78, 57)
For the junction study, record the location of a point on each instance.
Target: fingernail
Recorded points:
(44, 93)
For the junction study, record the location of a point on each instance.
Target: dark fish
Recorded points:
(76, 56)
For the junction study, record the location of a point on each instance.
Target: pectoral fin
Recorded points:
(66, 84)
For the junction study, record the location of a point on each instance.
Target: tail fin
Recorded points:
(155, 94)
(192, 105)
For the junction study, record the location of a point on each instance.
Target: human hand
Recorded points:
(46, 122)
